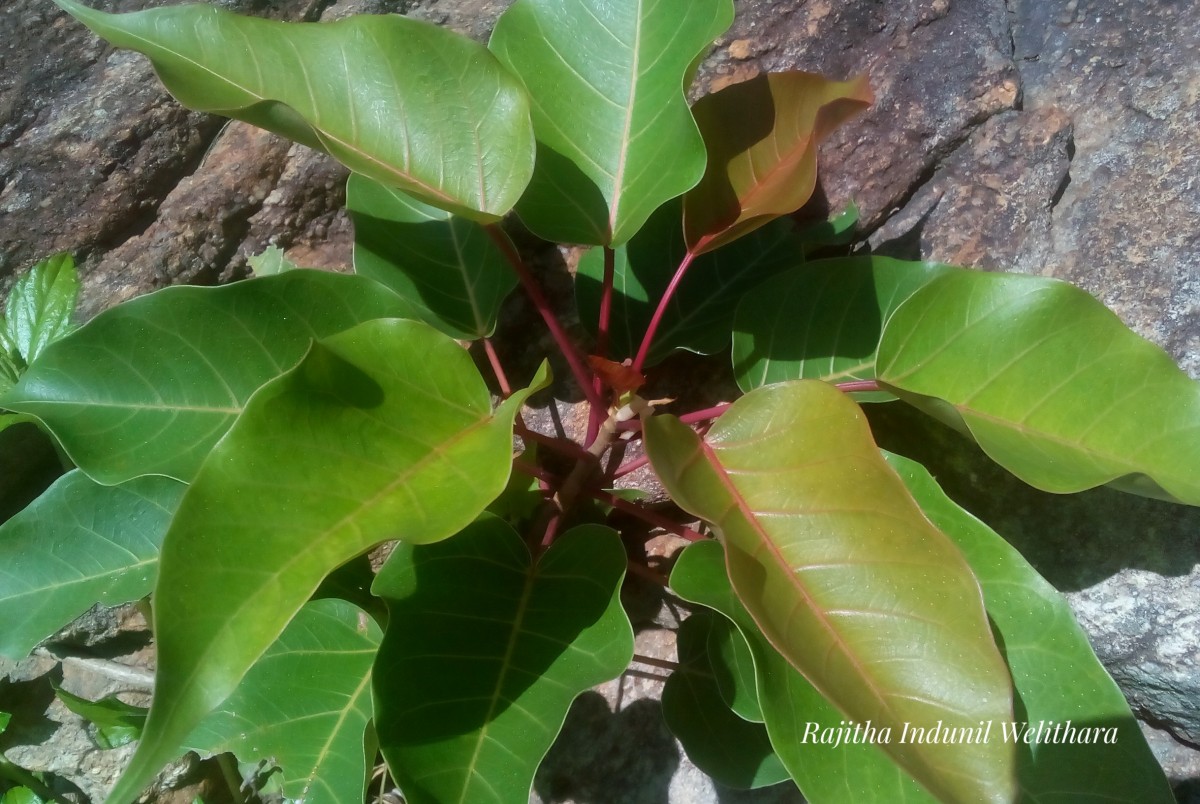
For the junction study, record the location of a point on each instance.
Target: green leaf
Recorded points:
(1057, 677)
(762, 137)
(615, 135)
(795, 714)
(400, 101)
(1049, 382)
(149, 386)
(733, 751)
(5, 719)
(485, 650)
(272, 261)
(305, 704)
(20, 795)
(383, 431)
(114, 722)
(76, 545)
(733, 669)
(822, 320)
(845, 576)
(443, 264)
(700, 317)
(39, 308)
(838, 230)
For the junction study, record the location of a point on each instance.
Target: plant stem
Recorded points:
(497, 369)
(534, 291)
(666, 664)
(631, 466)
(648, 338)
(559, 445)
(858, 385)
(695, 417)
(596, 415)
(646, 515)
(642, 571)
(15, 773)
(233, 779)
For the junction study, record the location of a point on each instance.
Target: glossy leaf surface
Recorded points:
(615, 135)
(844, 575)
(484, 652)
(385, 431)
(733, 668)
(822, 320)
(149, 386)
(700, 316)
(445, 265)
(795, 714)
(404, 102)
(37, 311)
(762, 137)
(78, 544)
(306, 705)
(1056, 675)
(735, 752)
(1049, 382)
(112, 723)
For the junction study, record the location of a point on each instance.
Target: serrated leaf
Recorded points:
(796, 716)
(79, 544)
(822, 320)
(443, 264)
(615, 136)
(114, 723)
(401, 101)
(762, 137)
(844, 575)
(485, 650)
(1057, 677)
(733, 751)
(270, 262)
(700, 316)
(149, 386)
(39, 308)
(383, 431)
(1049, 382)
(306, 705)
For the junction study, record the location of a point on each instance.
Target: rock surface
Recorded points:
(1047, 136)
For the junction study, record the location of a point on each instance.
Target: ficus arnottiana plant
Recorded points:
(854, 632)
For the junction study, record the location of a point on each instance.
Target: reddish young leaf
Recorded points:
(762, 137)
(621, 377)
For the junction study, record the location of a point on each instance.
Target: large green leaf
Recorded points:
(383, 431)
(1049, 382)
(484, 652)
(404, 102)
(306, 705)
(37, 312)
(615, 135)
(1057, 678)
(735, 752)
(149, 386)
(762, 137)
(79, 544)
(700, 315)
(845, 576)
(806, 731)
(822, 320)
(443, 264)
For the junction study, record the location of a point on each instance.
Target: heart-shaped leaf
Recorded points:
(76, 545)
(700, 316)
(149, 386)
(403, 102)
(369, 438)
(844, 575)
(1098, 752)
(444, 265)
(822, 320)
(1049, 382)
(762, 137)
(305, 704)
(615, 136)
(484, 652)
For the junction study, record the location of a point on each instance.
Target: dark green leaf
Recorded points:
(484, 652)
(822, 320)
(383, 431)
(839, 230)
(403, 102)
(700, 317)
(733, 751)
(1049, 382)
(114, 722)
(733, 667)
(445, 265)
(149, 386)
(844, 575)
(615, 135)
(79, 544)
(305, 705)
